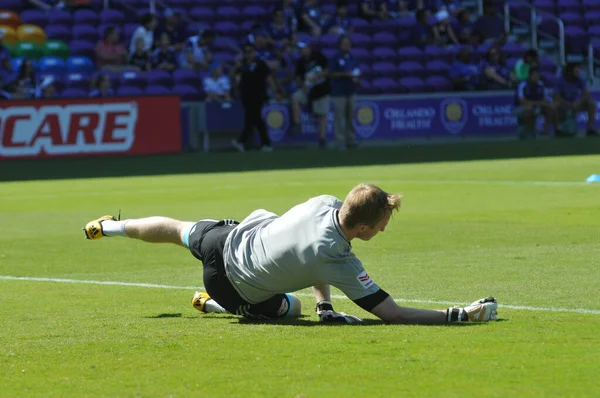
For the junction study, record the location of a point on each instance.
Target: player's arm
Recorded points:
(391, 312)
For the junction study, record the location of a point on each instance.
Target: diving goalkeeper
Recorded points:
(250, 268)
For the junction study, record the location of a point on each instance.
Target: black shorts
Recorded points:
(206, 241)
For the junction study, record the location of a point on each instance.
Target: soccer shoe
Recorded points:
(93, 229)
(199, 299)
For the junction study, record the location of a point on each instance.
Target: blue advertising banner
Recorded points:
(403, 117)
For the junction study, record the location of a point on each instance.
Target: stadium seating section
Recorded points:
(62, 43)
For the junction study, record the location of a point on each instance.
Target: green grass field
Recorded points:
(524, 230)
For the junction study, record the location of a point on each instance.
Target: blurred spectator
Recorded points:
(442, 31)
(173, 27)
(532, 101)
(372, 9)
(26, 76)
(434, 6)
(253, 75)
(60, 4)
(571, 96)
(421, 33)
(145, 31)
(398, 8)
(279, 31)
(217, 86)
(490, 26)
(19, 91)
(464, 28)
(5, 65)
(4, 95)
(164, 57)
(46, 89)
(263, 51)
(310, 17)
(196, 54)
(313, 82)
(523, 65)
(339, 23)
(102, 87)
(464, 73)
(496, 75)
(110, 54)
(140, 58)
(344, 74)
(290, 11)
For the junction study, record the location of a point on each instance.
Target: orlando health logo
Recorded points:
(366, 118)
(277, 119)
(454, 114)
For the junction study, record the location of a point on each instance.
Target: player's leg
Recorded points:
(589, 106)
(277, 307)
(150, 229)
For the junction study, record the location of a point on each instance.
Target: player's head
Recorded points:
(572, 71)
(341, 8)
(367, 209)
(345, 44)
(249, 52)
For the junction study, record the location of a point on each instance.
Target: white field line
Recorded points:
(155, 286)
(297, 184)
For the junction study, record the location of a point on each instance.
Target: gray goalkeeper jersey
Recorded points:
(267, 254)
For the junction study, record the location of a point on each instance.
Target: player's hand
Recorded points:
(330, 316)
(483, 310)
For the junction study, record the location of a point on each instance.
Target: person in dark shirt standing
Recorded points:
(571, 95)
(253, 75)
(312, 74)
(344, 74)
(531, 98)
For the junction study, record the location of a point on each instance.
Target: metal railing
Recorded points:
(591, 67)
(534, 25)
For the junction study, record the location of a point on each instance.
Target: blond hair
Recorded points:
(367, 204)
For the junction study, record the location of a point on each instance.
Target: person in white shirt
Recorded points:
(217, 86)
(196, 52)
(145, 31)
(250, 266)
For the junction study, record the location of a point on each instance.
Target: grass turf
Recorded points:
(524, 230)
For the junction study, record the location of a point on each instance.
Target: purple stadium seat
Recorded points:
(224, 43)
(410, 68)
(513, 50)
(186, 77)
(229, 13)
(86, 17)
(594, 30)
(330, 41)
(549, 27)
(547, 65)
(34, 17)
(385, 39)
(159, 78)
(410, 54)
(224, 57)
(592, 17)
(438, 83)
(576, 39)
(157, 90)
(196, 27)
(304, 37)
(591, 5)
(366, 88)
(572, 18)
(361, 39)
(385, 85)
(112, 16)
(59, 17)
(13, 5)
(78, 80)
(256, 12)
(247, 25)
(74, 93)
(437, 67)
(405, 26)
(79, 64)
(226, 28)
(385, 54)
(365, 71)
(360, 25)
(85, 32)
(82, 47)
(52, 65)
(132, 79)
(432, 53)
(520, 12)
(569, 6)
(129, 91)
(128, 32)
(413, 84)
(549, 79)
(361, 55)
(328, 9)
(384, 69)
(329, 52)
(186, 92)
(545, 5)
(59, 32)
(202, 13)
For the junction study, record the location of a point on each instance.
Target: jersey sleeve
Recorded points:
(351, 278)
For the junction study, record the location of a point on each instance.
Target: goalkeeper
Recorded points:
(250, 267)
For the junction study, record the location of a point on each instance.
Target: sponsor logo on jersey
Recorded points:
(365, 279)
(67, 129)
